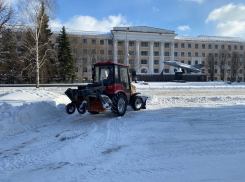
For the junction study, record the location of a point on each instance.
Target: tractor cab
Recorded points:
(114, 76)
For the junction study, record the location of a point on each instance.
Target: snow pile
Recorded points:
(20, 110)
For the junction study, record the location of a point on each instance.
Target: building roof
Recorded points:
(211, 38)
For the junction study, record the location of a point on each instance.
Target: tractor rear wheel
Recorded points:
(136, 103)
(119, 105)
(70, 108)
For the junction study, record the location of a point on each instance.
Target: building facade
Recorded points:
(144, 49)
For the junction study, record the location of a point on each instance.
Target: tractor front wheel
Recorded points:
(81, 108)
(136, 103)
(119, 104)
(70, 108)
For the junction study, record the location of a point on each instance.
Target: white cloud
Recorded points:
(155, 9)
(184, 28)
(88, 23)
(229, 19)
(198, 1)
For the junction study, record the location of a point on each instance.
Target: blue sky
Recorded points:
(185, 17)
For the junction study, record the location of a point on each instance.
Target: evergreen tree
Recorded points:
(49, 67)
(67, 68)
(9, 57)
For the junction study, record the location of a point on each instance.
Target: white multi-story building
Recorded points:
(145, 48)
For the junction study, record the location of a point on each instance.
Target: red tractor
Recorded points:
(111, 89)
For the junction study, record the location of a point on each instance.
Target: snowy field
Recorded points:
(190, 132)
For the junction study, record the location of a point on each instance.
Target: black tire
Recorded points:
(81, 109)
(136, 103)
(119, 104)
(70, 108)
(93, 112)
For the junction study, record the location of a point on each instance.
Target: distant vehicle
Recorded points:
(189, 68)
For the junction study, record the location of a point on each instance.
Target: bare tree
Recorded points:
(33, 20)
(235, 64)
(222, 62)
(6, 14)
(210, 65)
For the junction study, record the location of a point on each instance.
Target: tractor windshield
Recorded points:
(104, 74)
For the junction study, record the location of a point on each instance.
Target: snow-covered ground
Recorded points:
(189, 132)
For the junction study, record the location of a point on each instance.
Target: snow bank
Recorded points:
(20, 110)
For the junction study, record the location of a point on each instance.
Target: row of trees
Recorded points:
(26, 49)
(225, 64)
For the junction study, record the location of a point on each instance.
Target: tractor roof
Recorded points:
(109, 63)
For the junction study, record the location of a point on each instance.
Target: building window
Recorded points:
(189, 54)
(235, 47)
(93, 51)
(166, 45)
(120, 43)
(131, 61)
(109, 52)
(241, 55)
(156, 70)
(75, 50)
(156, 62)
(143, 70)
(166, 53)
(222, 47)
(209, 46)
(196, 54)
(189, 62)
(216, 46)
(131, 53)
(182, 54)
(229, 63)
(182, 61)
(203, 63)
(57, 40)
(156, 44)
(189, 45)
(120, 61)
(176, 54)
(156, 53)
(144, 53)
(93, 42)
(84, 41)
(102, 52)
(196, 62)
(85, 70)
(144, 44)
(196, 46)
(203, 70)
(120, 52)
(203, 54)
(240, 63)
(166, 70)
(175, 45)
(144, 61)
(131, 43)
(18, 37)
(229, 55)
(109, 42)
(216, 63)
(74, 41)
(240, 71)
(182, 45)
(101, 42)
(203, 46)
(229, 47)
(241, 47)
(215, 55)
(85, 51)
(228, 71)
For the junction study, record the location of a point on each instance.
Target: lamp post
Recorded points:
(126, 46)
